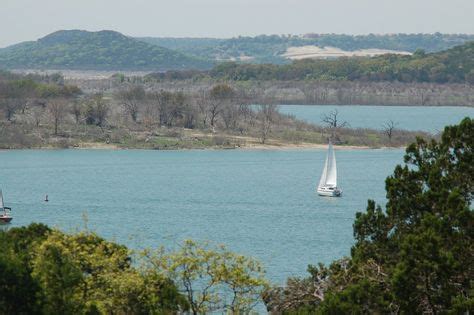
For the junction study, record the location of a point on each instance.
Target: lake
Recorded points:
(259, 203)
(429, 119)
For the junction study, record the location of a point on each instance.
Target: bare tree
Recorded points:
(332, 120)
(57, 111)
(171, 107)
(267, 115)
(163, 99)
(220, 95)
(11, 106)
(37, 114)
(333, 123)
(202, 102)
(150, 115)
(214, 109)
(176, 111)
(76, 111)
(131, 100)
(388, 128)
(96, 111)
(189, 116)
(230, 115)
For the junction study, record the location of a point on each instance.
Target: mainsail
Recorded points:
(329, 176)
(322, 181)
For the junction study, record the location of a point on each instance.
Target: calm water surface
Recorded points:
(429, 119)
(259, 203)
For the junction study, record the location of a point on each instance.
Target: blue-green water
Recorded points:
(260, 203)
(429, 119)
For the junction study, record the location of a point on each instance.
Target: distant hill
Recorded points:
(272, 48)
(455, 65)
(104, 50)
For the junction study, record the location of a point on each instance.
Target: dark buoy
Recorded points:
(46, 198)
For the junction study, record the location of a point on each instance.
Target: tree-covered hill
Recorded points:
(104, 50)
(269, 48)
(455, 65)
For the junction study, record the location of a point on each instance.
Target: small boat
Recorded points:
(328, 182)
(46, 198)
(5, 216)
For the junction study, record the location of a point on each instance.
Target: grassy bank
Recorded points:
(22, 136)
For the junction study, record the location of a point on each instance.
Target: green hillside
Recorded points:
(104, 50)
(455, 65)
(269, 48)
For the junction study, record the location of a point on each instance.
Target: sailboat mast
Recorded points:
(1, 200)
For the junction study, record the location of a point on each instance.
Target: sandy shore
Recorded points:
(252, 143)
(301, 146)
(250, 146)
(96, 145)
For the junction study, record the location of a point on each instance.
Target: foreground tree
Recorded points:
(425, 238)
(213, 279)
(19, 292)
(45, 271)
(416, 256)
(59, 277)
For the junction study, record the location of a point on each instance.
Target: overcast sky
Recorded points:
(22, 20)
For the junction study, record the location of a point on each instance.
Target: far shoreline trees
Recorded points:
(451, 66)
(445, 67)
(43, 111)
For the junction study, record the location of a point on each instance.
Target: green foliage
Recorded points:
(453, 65)
(213, 279)
(104, 50)
(23, 88)
(59, 277)
(45, 271)
(425, 234)
(416, 256)
(221, 92)
(19, 292)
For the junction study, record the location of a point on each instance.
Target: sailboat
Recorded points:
(5, 216)
(328, 182)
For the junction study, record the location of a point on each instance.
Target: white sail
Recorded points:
(322, 181)
(1, 200)
(331, 179)
(329, 175)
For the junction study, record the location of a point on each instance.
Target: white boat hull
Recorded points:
(329, 192)
(4, 219)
